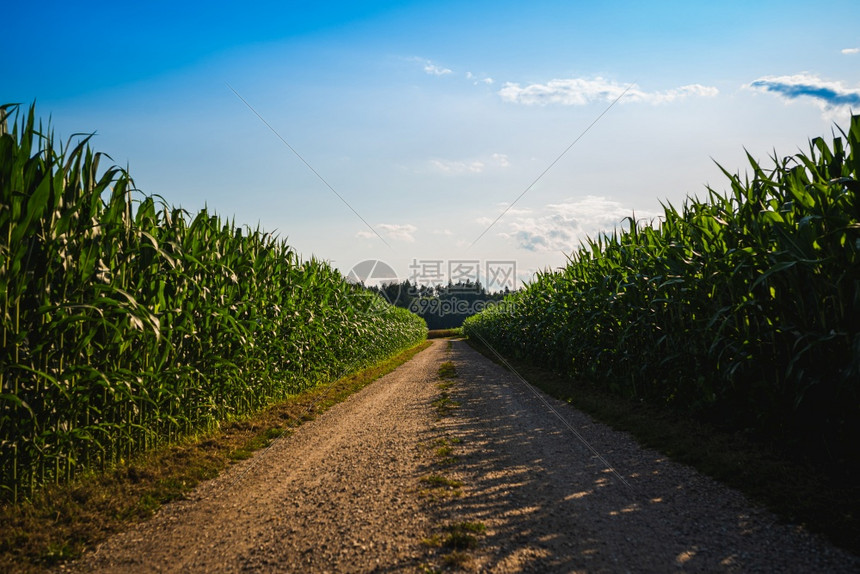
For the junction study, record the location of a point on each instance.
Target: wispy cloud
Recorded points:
(435, 70)
(402, 232)
(430, 67)
(849, 51)
(456, 167)
(486, 220)
(501, 160)
(478, 80)
(562, 226)
(398, 232)
(832, 97)
(581, 91)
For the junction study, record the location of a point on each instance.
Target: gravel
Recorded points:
(344, 494)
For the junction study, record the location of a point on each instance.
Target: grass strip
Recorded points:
(444, 333)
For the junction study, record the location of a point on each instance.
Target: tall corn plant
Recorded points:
(127, 323)
(745, 305)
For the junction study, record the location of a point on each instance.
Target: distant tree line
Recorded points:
(442, 306)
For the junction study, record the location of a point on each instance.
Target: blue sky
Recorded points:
(430, 118)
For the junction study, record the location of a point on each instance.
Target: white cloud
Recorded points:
(392, 231)
(457, 167)
(445, 232)
(435, 70)
(501, 160)
(581, 91)
(849, 51)
(832, 97)
(504, 206)
(467, 166)
(563, 226)
(399, 232)
(476, 80)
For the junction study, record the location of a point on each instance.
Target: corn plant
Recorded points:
(127, 323)
(744, 306)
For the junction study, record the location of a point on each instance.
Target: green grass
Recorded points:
(447, 370)
(439, 487)
(457, 538)
(446, 456)
(444, 404)
(445, 386)
(444, 451)
(437, 480)
(444, 333)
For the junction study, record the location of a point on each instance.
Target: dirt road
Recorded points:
(344, 493)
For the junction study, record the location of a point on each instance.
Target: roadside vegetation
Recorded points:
(738, 316)
(127, 325)
(62, 521)
(444, 333)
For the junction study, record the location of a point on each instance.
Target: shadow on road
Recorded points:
(550, 504)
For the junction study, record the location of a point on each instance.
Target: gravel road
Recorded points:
(344, 494)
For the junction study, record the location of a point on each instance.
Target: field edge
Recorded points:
(62, 522)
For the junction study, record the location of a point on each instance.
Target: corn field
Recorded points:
(127, 323)
(744, 306)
